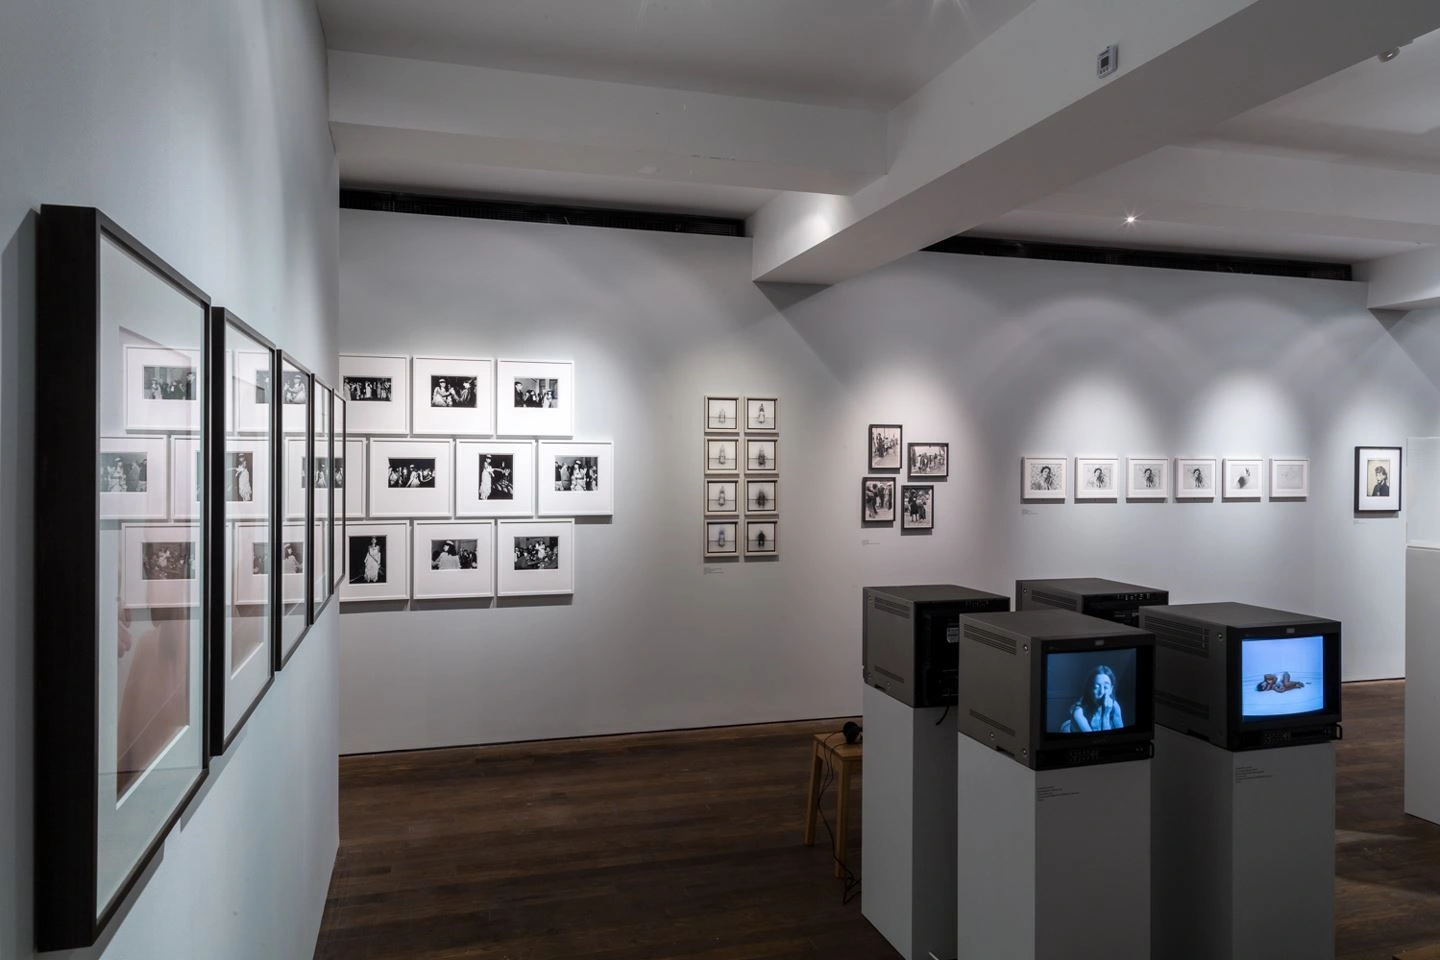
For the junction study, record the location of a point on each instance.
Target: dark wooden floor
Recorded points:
(687, 845)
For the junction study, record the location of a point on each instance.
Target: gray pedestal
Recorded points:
(1422, 683)
(1244, 851)
(1052, 864)
(908, 827)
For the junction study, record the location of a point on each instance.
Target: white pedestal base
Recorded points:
(1422, 683)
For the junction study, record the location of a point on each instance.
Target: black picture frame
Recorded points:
(338, 512)
(878, 521)
(1367, 502)
(911, 449)
(876, 464)
(907, 522)
(285, 648)
(69, 840)
(322, 554)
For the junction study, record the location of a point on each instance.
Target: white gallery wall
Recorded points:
(201, 129)
(999, 358)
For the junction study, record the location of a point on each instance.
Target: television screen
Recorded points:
(1089, 691)
(1281, 676)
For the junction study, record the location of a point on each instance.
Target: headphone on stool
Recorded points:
(852, 731)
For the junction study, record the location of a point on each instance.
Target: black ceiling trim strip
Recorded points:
(1129, 257)
(476, 209)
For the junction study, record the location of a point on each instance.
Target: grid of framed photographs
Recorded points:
(741, 497)
(1158, 479)
(883, 499)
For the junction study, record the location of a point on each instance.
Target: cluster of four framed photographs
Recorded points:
(915, 502)
(729, 489)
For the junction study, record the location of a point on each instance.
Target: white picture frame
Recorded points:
(376, 391)
(376, 561)
(762, 495)
(762, 454)
(447, 578)
(762, 414)
(252, 541)
(252, 413)
(722, 455)
(722, 414)
(1097, 478)
(185, 495)
(1244, 478)
(1190, 485)
(423, 474)
(722, 496)
(534, 558)
(1147, 478)
(1289, 478)
(534, 398)
(563, 465)
(721, 538)
(1044, 478)
(134, 474)
(353, 481)
(159, 395)
(154, 558)
(452, 396)
(511, 462)
(762, 537)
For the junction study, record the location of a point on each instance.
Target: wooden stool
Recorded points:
(844, 758)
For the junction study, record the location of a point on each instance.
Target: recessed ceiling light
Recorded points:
(1388, 55)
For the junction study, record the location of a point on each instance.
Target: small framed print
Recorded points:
(1043, 478)
(246, 478)
(885, 446)
(302, 475)
(377, 562)
(1377, 479)
(162, 388)
(452, 396)
(762, 538)
(535, 558)
(917, 506)
(453, 561)
(722, 496)
(576, 479)
(251, 375)
(722, 538)
(722, 414)
(535, 398)
(877, 500)
(1289, 478)
(930, 461)
(253, 558)
(762, 414)
(762, 496)
(1147, 478)
(1097, 478)
(161, 565)
(722, 455)
(494, 478)
(411, 478)
(762, 456)
(376, 391)
(1194, 478)
(134, 477)
(1242, 478)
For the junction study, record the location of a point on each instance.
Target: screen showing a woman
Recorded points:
(1090, 691)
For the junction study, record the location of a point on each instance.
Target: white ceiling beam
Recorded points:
(1023, 115)
(1406, 281)
(439, 113)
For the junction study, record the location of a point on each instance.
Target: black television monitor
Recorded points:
(1245, 677)
(908, 639)
(1055, 688)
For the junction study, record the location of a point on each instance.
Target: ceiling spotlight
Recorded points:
(1388, 55)
(1129, 219)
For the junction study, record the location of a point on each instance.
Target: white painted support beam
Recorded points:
(1022, 115)
(449, 113)
(1406, 281)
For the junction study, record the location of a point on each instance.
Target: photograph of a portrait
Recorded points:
(452, 397)
(885, 448)
(1378, 479)
(1195, 478)
(722, 496)
(1043, 478)
(577, 479)
(534, 558)
(453, 561)
(1147, 478)
(495, 478)
(134, 476)
(1097, 478)
(762, 496)
(762, 455)
(762, 414)
(1243, 478)
(411, 478)
(376, 391)
(722, 414)
(722, 538)
(722, 455)
(163, 388)
(929, 461)
(877, 500)
(534, 398)
(762, 538)
(376, 562)
(1289, 478)
(917, 506)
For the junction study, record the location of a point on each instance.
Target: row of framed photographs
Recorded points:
(762, 414)
(723, 538)
(913, 505)
(1150, 478)
(927, 461)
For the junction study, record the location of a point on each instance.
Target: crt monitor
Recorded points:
(1281, 677)
(1089, 691)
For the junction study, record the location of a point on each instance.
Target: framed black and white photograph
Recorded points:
(722, 455)
(535, 398)
(322, 465)
(722, 496)
(304, 474)
(453, 561)
(162, 388)
(452, 396)
(1043, 478)
(722, 414)
(244, 475)
(722, 538)
(134, 477)
(1377, 479)
(1289, 478)
(377, 562)
(762, 414)
(576, 479)
(762, 538)
(254, 559)
(251, 394)
(762, 455)
(534, 558)
(1097, 478)
(1147, 478)
(885, 446)
(1243, 478)
(494, 478)
(917, 506)
(877, 500)
(376, 391)
(929, 461)
(161, 565)
(762, 496)
(411, 478)
(1195, 478)
(296, 503)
